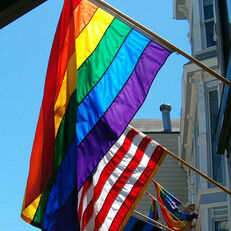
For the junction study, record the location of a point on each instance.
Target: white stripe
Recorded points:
(87, 198)
(79, 196)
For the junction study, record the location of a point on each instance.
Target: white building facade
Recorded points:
(201, 96)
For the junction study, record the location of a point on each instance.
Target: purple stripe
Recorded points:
(115, 120)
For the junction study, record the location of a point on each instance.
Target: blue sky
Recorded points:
(24, 52)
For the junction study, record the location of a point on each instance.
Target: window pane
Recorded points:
(208, 12)
(208, 9)
(209, 34)
(221, 226)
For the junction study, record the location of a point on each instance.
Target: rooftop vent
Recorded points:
(165, 109)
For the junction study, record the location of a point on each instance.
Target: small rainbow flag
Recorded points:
(99, 73)
(154, 210)
(176, 219)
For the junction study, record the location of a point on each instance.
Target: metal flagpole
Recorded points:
(153, 36)
(156, 222)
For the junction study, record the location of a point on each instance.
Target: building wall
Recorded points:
(201, 96)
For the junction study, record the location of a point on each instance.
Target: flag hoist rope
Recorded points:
(158, 38)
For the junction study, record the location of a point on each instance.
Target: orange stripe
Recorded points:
(83, 16)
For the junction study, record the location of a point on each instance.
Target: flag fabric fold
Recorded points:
(99, 73)
(175, 218)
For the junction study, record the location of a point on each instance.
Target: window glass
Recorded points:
(208, 9)
(208, 23)
(221, 226)
(208, 12)
(209, 27)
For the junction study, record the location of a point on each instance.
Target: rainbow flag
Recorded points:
(176, 219)
(99, 73)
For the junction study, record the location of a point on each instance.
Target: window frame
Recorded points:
(204, 23)
(218, 220)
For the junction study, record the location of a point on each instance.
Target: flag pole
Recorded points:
(156, 222)
(198, 172)
(164, 207)
(158, 38)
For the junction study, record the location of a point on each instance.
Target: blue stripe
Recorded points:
(101, 97)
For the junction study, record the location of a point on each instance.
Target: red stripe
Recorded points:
(155, 209)
(121, 181)
(163, 210)
(136, 188)
(107, 171)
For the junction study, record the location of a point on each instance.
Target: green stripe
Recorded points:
(94, 67)
(164, 194)
(65, 136)
(88, 75)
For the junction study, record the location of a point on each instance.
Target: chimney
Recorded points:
(165, 109)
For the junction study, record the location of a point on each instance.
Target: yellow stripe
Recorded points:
(86, 43)
(66, 90)
(90, 37)
(29, 212)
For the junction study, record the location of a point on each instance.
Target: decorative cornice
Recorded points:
(184, 9)
(196, 78)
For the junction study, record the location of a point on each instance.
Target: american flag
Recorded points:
(109, 196)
